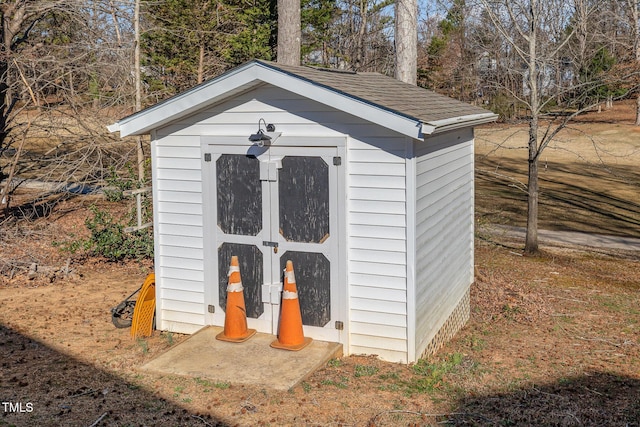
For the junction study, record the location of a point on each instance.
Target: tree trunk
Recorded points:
(634, 13)
(138, 84)
(4, 100)
(289, 32)
(325, 54)
(362, 31)
(5, 92)
(116, 24)
(406, 38)
(531, 241)
(201, 63)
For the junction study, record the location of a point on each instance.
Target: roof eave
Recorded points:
(186, 103)
(445, 125)
(114, 127)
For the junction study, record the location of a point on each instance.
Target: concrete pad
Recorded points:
(252, 362)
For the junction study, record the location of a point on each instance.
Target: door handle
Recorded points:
(274, 245)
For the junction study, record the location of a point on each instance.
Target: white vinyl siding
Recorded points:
(444, 229)
(376, 227)
(178, 221)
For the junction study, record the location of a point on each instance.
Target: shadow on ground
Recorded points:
(597, 399)
(573, 197)
(40, 386)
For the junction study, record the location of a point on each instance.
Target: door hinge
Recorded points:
(207, 157)
(339, 325)
(271, 293)
(211, 308)
(337, 161)
(269, 171)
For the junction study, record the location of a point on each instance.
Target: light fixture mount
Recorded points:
(260, 137)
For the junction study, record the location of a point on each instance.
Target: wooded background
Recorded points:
(70, 67)
(80, 53)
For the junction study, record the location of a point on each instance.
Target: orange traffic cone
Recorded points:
(290, 336)
(235, 319)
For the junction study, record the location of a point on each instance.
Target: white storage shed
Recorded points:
(365, 182)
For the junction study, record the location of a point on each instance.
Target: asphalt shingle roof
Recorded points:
(386, 92)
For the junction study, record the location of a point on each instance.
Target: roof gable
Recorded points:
(404, 108)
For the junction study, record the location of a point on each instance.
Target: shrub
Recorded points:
(109, 240)
(117, 183)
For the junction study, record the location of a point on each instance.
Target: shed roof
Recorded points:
(405, 108)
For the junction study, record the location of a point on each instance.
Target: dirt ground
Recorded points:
(552, 340)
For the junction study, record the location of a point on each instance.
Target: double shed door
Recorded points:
(273, 204)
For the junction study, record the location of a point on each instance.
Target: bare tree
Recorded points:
(633, 14)
(406, 39)
(447, 60)
(18, 20)
(540, 32)
(63, 70)
(289, 33)
(360, 38)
